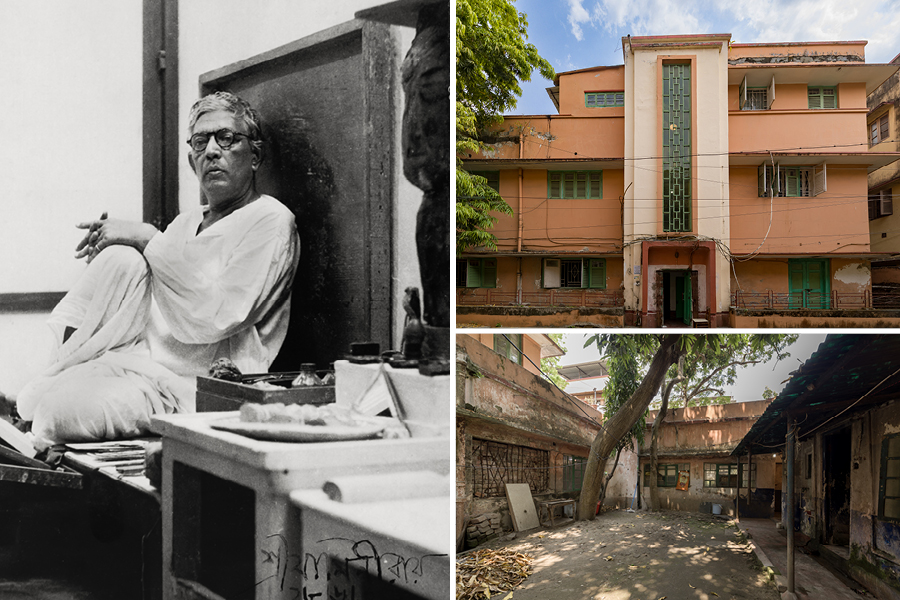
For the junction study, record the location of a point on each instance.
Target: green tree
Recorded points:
(549, 365)
(695, 363)
(492, 57)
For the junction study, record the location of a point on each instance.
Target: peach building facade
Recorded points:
(701, 183)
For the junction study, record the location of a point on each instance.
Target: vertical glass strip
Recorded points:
(676, 136)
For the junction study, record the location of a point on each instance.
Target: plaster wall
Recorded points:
(834, 221)
(73, 132)
(822, 49)
(514, 396)
(530, 348)
(591, 135)
(885, 231)
(600, 318)
(558, 225)
(573, 85)
(704, 429)
(699, 498)
(709, 110)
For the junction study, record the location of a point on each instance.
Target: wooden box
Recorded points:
(219, 395)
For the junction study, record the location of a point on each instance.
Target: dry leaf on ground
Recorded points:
(483, 573)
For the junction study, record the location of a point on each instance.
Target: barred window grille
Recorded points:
(496, 464)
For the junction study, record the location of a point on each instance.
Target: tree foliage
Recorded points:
(492, 57)
(550, 363)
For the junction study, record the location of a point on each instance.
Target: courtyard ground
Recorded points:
(640, 556)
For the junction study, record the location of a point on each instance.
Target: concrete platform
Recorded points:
(812, 580)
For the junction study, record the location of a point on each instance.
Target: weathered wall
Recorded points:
(536, 317)
(500, 401)
(874, 542)
(871, 319)
(701, 429)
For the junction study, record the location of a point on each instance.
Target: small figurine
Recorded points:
(413, 330)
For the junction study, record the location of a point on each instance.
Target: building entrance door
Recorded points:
(677, 298)
(809, 283)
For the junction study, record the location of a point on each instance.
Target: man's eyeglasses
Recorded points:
(224, 138)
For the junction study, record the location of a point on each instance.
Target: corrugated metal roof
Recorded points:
(848, 373)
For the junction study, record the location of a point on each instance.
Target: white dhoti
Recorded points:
(102, 383)
(147, 324)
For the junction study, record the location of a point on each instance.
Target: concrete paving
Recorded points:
(812, 580)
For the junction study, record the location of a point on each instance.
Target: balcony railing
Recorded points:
(805, 300)
(579, 297)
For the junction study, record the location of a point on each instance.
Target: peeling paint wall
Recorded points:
(500, 401)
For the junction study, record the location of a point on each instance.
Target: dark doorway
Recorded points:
(837, 449)
(678, 298)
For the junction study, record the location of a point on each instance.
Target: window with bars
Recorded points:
(604, 99)
(676, 147)
(666, 474)
(879, 130)
(574, 273)
(881, 204)
(757, 99)
(889, 490)
(822, 97)
(476, 272)
(510, 348)
(794, 181)
(725, 475)
(573, 472)
(575, 184)
(495, 464)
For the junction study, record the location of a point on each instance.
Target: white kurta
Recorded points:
(147, 325)
(224, 292)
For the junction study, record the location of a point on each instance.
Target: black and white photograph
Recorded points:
(225, 310)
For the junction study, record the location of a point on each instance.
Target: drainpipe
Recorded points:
(520, 230)
(789, 506)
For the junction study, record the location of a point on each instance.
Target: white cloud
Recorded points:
(877, 21)
(577, 17)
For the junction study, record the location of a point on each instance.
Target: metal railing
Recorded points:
(556, 297)
(805, 300)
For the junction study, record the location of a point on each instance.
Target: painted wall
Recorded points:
(558, 225)
(541, 318)
(710, 171)
(73, 150)
(574, 84)
(836, 221)
(886, 101)
(810, 49)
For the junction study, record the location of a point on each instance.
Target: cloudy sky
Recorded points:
(750, 383)
(576, 34)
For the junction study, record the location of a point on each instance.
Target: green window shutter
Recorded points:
(585, 274)
(596, 184)
(581, 185)
(815, 97)
(568, 186)
(597, 273)
(792, 182)
(473, 273)
(489, 272)
(822, 97)
(554, 185)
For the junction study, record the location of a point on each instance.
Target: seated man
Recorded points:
(154, 309)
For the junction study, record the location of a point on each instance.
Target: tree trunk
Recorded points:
(654, 437)
(610, 476)
(620, 424)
